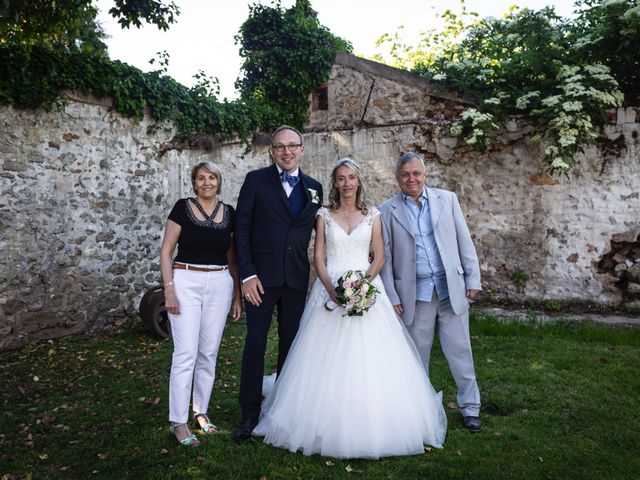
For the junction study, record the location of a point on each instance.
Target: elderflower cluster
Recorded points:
(564, 113)
(478, 124)
(569, 126)
(523, 101)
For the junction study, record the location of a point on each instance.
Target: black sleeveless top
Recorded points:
(202, 242)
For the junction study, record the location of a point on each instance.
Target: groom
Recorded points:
(275, 216)
(430, 273)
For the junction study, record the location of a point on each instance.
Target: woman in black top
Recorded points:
(200, 286)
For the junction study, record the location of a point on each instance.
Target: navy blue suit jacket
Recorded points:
(269, 242)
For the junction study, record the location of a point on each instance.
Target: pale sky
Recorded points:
(203, 37)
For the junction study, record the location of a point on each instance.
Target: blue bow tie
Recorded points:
(290, 179)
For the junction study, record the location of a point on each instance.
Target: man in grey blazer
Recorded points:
(430, 273)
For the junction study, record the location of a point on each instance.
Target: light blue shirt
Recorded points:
(430, 273)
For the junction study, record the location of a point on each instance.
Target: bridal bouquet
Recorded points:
(355, 293)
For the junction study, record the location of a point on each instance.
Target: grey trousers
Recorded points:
(453, 331)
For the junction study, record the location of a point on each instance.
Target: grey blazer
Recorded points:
(454, 244)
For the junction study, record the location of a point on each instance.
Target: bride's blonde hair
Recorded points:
(334, 194)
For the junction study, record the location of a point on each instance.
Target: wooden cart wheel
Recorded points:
(153, 312)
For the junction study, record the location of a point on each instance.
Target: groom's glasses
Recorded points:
(291, 147)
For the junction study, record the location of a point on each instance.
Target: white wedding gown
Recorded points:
(352, 387)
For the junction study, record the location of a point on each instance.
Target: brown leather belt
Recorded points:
(184, 266)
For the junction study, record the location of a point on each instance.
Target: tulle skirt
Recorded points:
(352, 387)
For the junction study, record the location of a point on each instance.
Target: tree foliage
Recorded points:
(69, 24)
(39, 74)
(287, 53)
(563, 74)
(72, 23)
(608, 32)
(155, 12)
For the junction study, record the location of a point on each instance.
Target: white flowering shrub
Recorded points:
(569, 116)
(562, 74)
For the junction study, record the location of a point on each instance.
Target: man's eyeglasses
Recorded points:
(291, 147)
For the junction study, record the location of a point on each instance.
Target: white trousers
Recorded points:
(453, 331)
(204, 299)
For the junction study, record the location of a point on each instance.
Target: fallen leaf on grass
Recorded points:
(457, 453)
(43, 456)
(350, 469)
(452, 405)
(102, 456)
(497, 434)
(164, 451)
(329, 463)
(48, 418)
(541, 460)
(64, 468)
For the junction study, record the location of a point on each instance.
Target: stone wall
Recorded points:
(84, 195)
(537, 237)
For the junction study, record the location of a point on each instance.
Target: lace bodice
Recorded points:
(347, 251)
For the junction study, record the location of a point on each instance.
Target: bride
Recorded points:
(352, 386)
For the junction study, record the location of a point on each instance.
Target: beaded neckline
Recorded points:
(208, 222)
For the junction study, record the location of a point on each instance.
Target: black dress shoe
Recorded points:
(473, 424)
(243, 432)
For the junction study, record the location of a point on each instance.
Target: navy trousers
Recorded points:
(290, 305)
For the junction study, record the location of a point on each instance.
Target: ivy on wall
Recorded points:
(36, 76)
(286, 53)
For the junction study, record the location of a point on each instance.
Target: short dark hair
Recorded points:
(286, 127)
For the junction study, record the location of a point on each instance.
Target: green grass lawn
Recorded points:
(559, 402)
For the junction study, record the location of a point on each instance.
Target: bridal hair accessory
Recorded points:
(355, 293)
